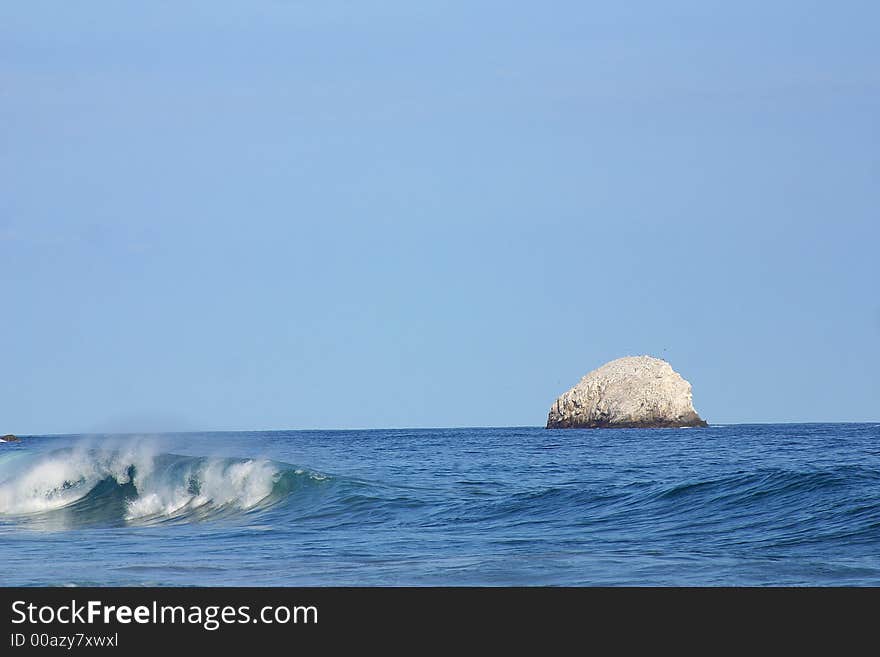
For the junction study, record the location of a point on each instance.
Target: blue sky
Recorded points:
(225, 215)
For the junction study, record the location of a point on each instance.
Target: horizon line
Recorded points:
(411, 428)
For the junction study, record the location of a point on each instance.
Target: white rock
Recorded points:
(635, 391)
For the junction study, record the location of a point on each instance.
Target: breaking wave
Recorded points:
(137, 485)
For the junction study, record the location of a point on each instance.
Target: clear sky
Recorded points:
(268, 215)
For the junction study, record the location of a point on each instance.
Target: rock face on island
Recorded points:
(8, 438)
(631, 392)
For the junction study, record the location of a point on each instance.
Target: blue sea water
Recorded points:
(761, 505)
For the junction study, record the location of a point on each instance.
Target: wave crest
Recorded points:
(137, 485)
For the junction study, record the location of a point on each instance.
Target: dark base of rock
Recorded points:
(698, 422)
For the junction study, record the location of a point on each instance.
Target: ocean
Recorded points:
(737, 505)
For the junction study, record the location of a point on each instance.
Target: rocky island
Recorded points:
(632, 392)
(8, 438)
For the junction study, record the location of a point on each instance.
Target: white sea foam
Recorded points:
(166, 484)
(215, 482)
(57, 479)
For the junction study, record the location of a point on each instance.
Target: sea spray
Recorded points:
(56, 479)
(199, 483)
(135, 482)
